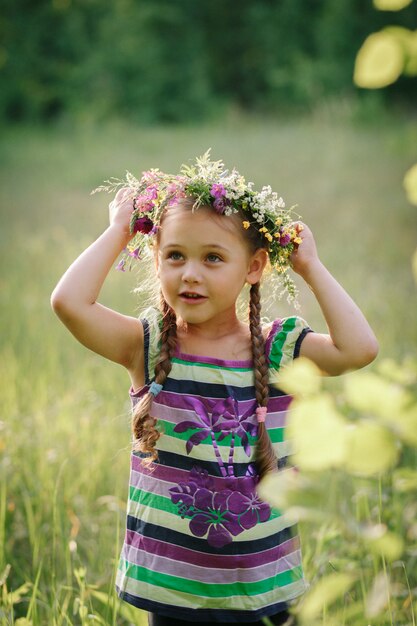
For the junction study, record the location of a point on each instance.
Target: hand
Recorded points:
(305, 254)
(120, 210)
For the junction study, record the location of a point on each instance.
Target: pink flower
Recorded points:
(152, 192)
(143, 203)
(217, 191)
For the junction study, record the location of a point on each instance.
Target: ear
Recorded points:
(256, 266)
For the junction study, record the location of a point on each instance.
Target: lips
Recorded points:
(192, 296)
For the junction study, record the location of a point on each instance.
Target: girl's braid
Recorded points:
(265, 458)
(144, 425)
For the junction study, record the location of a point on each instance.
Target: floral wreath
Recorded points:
(210, 184)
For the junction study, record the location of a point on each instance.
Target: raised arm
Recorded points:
(113, 335)
(351, 343)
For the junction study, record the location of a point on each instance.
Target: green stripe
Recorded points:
(152, 500)
(212, 590)
(211, 365)
(186, 600)
(276, 435)
(276, 352)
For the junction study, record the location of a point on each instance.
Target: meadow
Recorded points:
(64, 429)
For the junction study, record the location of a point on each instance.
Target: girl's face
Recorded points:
(203, 263)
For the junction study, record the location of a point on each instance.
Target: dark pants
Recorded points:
(161, 620)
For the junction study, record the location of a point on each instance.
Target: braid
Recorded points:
(143, 424)
(265, 458)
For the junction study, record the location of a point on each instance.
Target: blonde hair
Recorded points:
(144, 426)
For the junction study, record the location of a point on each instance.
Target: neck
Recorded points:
(210, 331)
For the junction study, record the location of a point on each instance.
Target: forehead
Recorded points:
(200, 227)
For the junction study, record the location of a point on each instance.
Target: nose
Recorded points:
(191, 273)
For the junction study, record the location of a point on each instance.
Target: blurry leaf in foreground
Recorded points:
(391, 5)
(410, 184)
(324, 593)
(406, 426)
(373, 395)
(318, 433)
(414, 265)
(379, 62)
(384, 542)
(408, 40)
(301, 378)
(371, 449)
(404, 373)
(293, 494)
(405, 479)
(378, 596)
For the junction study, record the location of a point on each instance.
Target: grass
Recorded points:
(64, 429)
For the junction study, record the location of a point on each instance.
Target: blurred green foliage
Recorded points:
(354, 491)
(154, 60)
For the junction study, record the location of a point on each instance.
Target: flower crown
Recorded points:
(210, 184)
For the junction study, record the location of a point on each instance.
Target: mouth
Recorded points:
(191, 296)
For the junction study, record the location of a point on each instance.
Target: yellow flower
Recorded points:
(298, 240)
(268, 236)
(277, 235)
(246, 225)
(278, 221)
(263, 230)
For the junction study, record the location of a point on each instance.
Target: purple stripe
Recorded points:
(158, 563)
(202, 559)
(277, 324)
(179, 401)
(211, 360)
(163, 477)
(274, 419)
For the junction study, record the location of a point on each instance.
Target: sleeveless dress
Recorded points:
(200, 544)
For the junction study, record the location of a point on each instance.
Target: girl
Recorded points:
(208, 416)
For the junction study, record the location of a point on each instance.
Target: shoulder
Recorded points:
(284, 340)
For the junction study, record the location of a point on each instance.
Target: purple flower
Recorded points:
(135, 253)
(221, 515)
(285, 239)
(121, 265)
(249, 508)
(217, 191)
(212, 516)
(143, 225)
(152, 192)
(220, 205)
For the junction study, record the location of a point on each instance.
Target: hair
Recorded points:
(144, 426)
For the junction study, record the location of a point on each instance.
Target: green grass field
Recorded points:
(64, 429)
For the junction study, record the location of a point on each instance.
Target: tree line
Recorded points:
(163, 61)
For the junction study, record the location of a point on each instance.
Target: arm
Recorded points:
(113, 335)
(351, 343)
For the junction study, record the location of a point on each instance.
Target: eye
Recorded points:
(213, 258)
(174, 256)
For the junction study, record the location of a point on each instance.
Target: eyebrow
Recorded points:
(211, 246)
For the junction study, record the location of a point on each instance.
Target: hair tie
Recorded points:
(260, 413)
(155, 388)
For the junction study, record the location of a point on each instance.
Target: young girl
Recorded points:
(208, 417)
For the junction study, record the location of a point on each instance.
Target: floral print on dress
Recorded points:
(224, 514)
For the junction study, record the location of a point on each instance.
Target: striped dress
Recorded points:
(200, 544)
